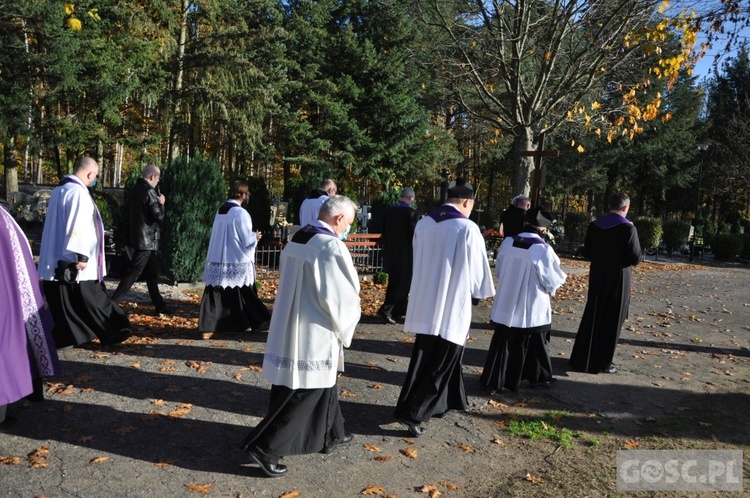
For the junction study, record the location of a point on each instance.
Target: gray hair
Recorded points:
(338, 204)
(520, 200)
(618, 201)
(406, 192)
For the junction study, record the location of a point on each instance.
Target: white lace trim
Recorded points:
(229, 274)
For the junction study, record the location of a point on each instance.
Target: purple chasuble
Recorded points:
(446, 212)
(26, 346)
(610, 220)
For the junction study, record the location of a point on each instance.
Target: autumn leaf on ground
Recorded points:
(10, 460)
(407, 441)
(382, 458)
(99, 459)
(254, 368)
(430, 489)
(199, 488)
(237, 376)
(173, 389)
(631, 444)
(348, 394)
(503, 424)
(497, 404)
(373, 490)
(449, 485)
(157, 402)
(371, 447)
(181, 410)
(85, 439)
(467, 449)
(124, 430)
(199, 366)
(165, 463)
(290, 494)
(392, 360)
(499, 442)
(533, 479)
(375, 386)
(67, 408)
(409, 452)
(137, 364)
(38, 458)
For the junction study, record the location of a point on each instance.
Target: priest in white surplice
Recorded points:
(528, 273)
(230, 302)
(71, 263)
(314, 316)
(450, 270)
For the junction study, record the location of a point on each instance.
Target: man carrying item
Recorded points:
(528, 273)
(145, 215)
(399, 221)
(512, 220)
(71, 263)
(612, 246)
(308, 211)
(314, 316)
(230, 302)
(27, 352)
(450, 271)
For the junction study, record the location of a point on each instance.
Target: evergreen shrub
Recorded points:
(386, 199)
(727, 246)
(194, 190)
(259, 203)
(649, 231)
(575, 225)
(380, 278)
(676, 234)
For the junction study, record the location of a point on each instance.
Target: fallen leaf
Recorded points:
(499, 442)
(371, 447)
(631, 444)
(382, 458)
(373, 490)
(430, 489)
(290, 494)
(10, 460)
(157, 402)
(85, 439)
(375, 386)
(181, 410)
(449, 485)
(137, 364)
(467, 449)
(533, 479)
(99, 459)
(497, 404)
(409, 452)
(124, 430)
(38, 458)
(199, 488)
(238, 376)
(348, 394)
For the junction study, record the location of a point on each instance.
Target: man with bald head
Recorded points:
(71, 264)
(145, 215)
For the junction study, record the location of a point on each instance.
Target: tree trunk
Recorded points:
(10, 161)
(522, 166)
(174, 148)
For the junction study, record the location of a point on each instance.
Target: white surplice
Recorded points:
(230, 261)
(310, 208)
(315, 312)
(526, 280)
(72, 226)
(450, 268)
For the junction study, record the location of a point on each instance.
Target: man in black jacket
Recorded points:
(145, 214)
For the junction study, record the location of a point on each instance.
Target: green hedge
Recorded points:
(676, 234)
(649, 231)
(727, 246)
(194, 190)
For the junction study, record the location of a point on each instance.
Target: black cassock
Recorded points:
(399, 221)
(612, 246)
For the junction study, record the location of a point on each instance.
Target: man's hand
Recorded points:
(80, 266)
(161, 199)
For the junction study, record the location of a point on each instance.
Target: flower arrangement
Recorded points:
(492, 238)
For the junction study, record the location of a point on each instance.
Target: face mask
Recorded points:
(93, 183)
(343, 234)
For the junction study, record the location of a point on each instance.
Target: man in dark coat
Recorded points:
(513, 220)
(145, 215)
(612, 246)
(399, 221)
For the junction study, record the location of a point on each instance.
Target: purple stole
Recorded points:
(610, 220)
(401, 204)
(32, 314)
(446, 212)
(99, 231)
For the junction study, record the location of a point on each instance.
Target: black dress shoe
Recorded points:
(415, 428)
(385, 316)
(610, 370)
(270, 469)
(547, 384)
(338, 444)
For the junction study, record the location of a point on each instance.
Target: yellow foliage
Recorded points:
(69, 8)
(74, 24)
(580, 149)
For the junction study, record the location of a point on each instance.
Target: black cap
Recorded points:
(461, 190)
(538, 217)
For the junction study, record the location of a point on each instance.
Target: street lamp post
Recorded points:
(702, 147)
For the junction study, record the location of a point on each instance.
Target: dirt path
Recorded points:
(163, 414)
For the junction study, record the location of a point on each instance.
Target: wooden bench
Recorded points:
(362, 239)
(365, 250)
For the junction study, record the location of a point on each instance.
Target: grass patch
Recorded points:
(543, 428)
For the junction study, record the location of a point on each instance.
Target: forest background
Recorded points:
(389, 93)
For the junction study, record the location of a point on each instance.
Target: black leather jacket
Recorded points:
(146, 214)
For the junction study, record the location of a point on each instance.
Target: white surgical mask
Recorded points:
(343, 234)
